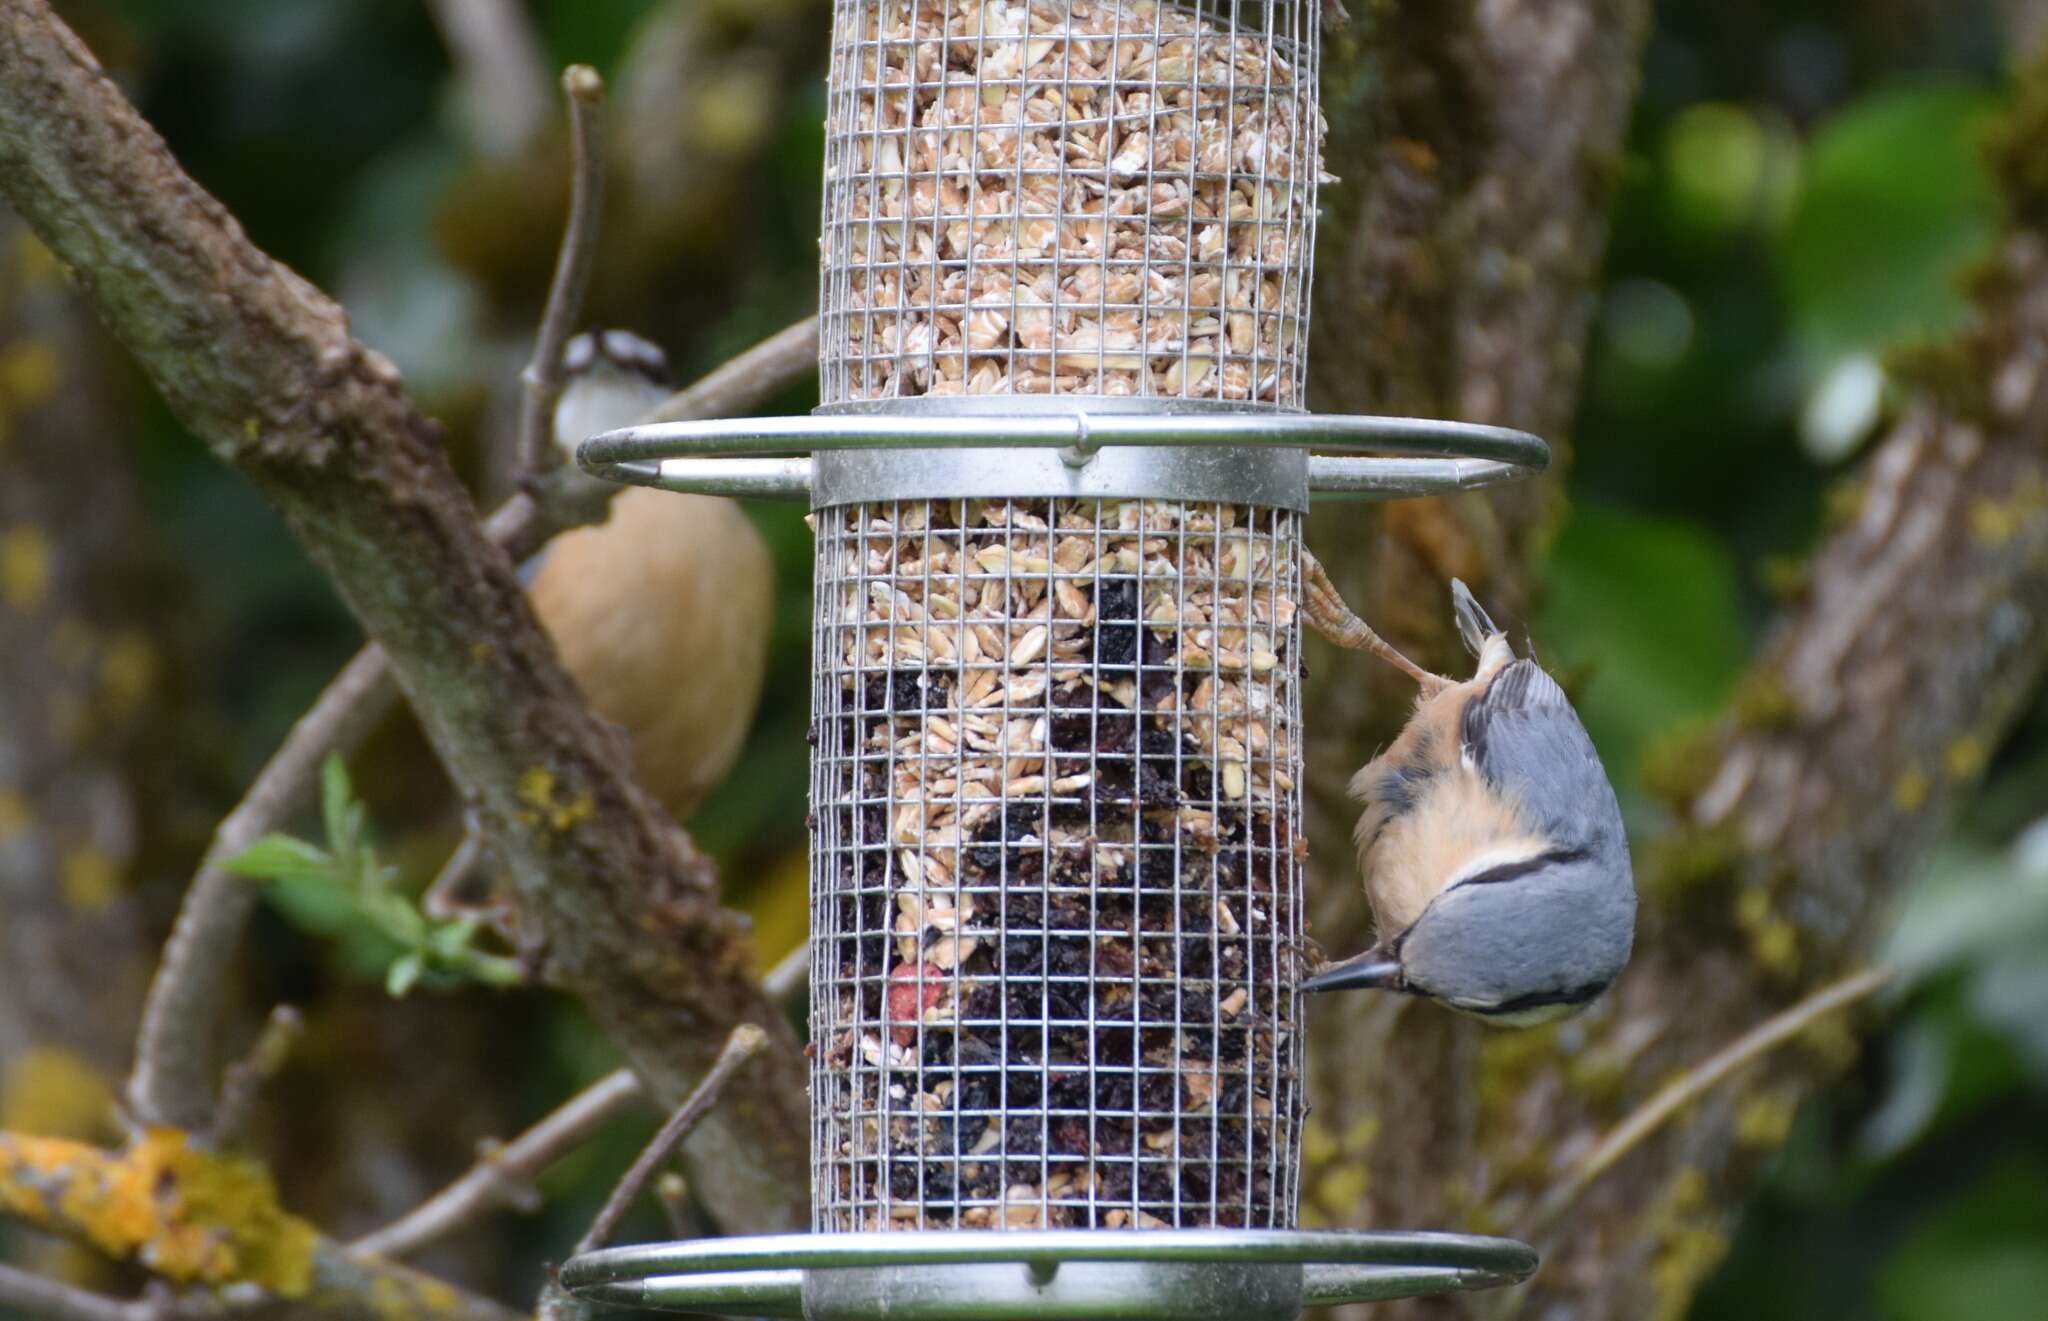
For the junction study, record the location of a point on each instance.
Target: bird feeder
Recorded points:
(1058, 478)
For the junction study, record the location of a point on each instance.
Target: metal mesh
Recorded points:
(1055, 865)
(1096, 197)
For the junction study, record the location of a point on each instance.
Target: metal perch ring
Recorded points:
(1132, 1275)
(1100, 452)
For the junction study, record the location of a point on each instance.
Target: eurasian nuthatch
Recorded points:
(1491, 842)
(662, 612)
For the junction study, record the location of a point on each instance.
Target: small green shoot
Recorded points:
(344, 891)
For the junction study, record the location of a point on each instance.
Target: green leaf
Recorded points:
(450, 940)
(1647, 608)
(1895, 201)
(1968, 905)
(396, 917)
(346, 893)
(404, 972)
(335, 797)
(325, 909)
(490, 969)
(281, 857)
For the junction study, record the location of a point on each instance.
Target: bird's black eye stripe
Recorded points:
(1520, 867)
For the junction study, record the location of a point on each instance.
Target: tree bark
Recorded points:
(1476, 143)
(213, 1221)
(1878, 699)
(260, 365)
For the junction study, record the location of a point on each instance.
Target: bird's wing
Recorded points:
(1523, 736)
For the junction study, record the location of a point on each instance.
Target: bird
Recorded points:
(662, 612)
(1491, 842)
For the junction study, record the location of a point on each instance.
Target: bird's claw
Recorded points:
(1327, 614)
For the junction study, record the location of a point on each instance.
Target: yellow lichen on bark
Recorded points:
(187, 1215)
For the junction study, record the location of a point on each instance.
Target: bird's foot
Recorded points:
(1327, 614)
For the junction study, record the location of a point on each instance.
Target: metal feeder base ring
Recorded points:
(1029, 1275)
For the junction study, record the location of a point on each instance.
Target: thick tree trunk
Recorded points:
(1476, 143)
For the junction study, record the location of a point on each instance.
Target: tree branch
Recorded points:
(1700, 1079)
(544, 374)
(1478, 147)
(258, 363)
(173, 1080)
(504, 1170)
(38, 1297)
(765, 370)
(247, 1076)
(747, 1040)
(172, 1083)
(1477, 143)
(210, 1221)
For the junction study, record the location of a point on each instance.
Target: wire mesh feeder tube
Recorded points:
(1055, 866)
(1069, 197)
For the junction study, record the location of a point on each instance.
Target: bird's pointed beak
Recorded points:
(1474, 625)
(1370, 969)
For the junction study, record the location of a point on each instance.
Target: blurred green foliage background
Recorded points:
(1800, 195)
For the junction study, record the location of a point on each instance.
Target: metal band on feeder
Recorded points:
(1058, 475)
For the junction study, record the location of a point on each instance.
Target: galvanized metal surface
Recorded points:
(1171, 1275)
(1209, 474)
(1091, 197)
(1159, 454)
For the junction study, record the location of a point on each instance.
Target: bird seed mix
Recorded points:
(1106, 197)
(1055, 866)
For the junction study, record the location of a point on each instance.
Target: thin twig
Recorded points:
(744, 382)
(790, 975)
(246, 1078)
(543, 375)
(41, 1297)
(741, 1046)
(443, 897)
(507, 1169)
(1703, 1077)
(173, 1080)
